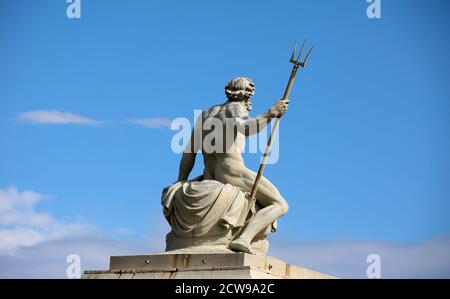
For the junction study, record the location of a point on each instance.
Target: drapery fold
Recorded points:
(204, 208)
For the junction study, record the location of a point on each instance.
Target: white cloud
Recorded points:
(58, 117)
(48, 259)
(35, 245)
(55, 117)
(22, 226)
(124, 231)
(151, 122)
(347, 259)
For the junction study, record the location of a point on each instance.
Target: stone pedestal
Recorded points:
(201, 266)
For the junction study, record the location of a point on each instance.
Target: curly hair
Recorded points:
(239, 89)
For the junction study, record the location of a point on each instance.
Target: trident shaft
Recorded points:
(297, 64)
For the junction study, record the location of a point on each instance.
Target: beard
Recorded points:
(248, 105)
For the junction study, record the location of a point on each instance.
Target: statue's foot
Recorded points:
(242, 246)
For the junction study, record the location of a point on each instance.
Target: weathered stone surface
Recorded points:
(171, 265)
(229, 204)
(208, 214)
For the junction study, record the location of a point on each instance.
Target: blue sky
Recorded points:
(363, 148)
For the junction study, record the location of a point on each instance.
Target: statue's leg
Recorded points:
(273, 206)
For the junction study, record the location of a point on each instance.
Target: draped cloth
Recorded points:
(207, 208)
(208, 214)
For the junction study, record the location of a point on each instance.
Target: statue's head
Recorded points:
(240, 89)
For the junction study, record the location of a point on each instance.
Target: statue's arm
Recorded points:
(186, 165)
(249, 125)
(187, 160)
(252, 125)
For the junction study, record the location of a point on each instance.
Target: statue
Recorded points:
(220, 219)
(229, 207)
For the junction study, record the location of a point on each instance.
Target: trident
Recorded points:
(297, 63)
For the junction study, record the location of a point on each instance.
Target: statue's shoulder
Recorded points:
(212, 111)
(225, 110)
(236, 109)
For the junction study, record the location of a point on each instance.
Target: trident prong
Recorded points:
(293, 53)
(298, 63)
(300, 53)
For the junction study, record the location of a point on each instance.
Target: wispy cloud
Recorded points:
(344, 259)
(55, 117)
(22, 226)
(124, 231)
(156, 122)
(347, 259)
(48, 259)
(36, 244)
